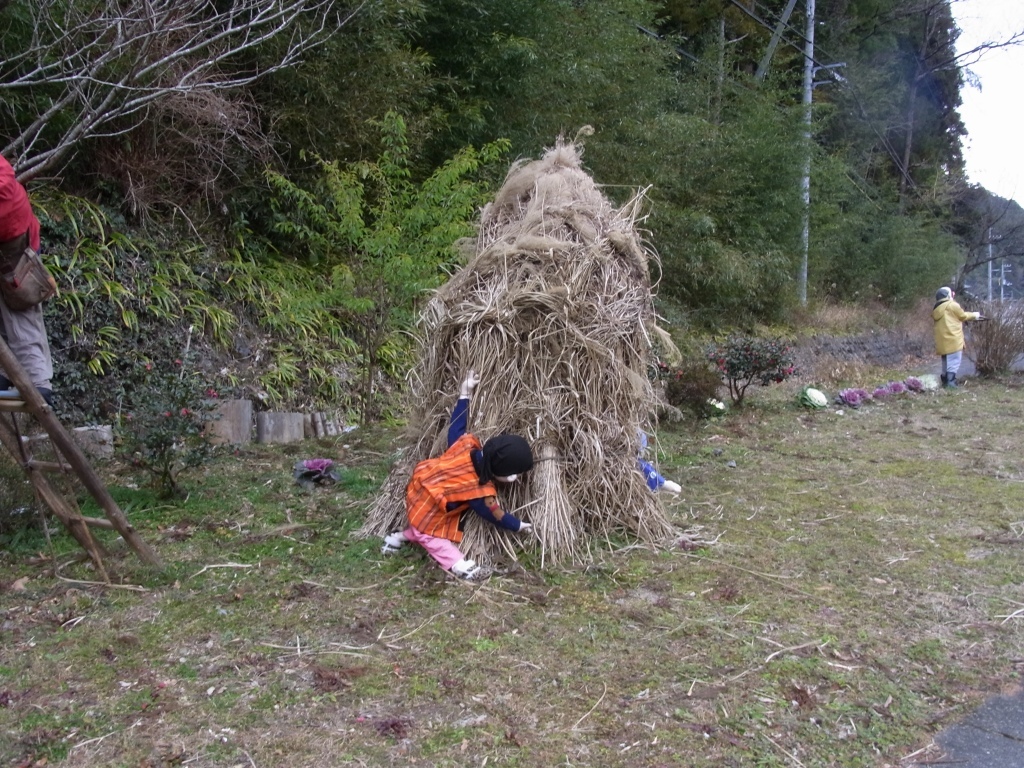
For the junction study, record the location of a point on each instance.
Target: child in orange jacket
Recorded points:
(443, 489)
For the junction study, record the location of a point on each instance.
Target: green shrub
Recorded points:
(742, 361)
(164, 432)
(380, 240)
(693, 386)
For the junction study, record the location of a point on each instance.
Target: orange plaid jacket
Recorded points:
(435, 483)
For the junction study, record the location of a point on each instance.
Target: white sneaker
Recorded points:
(393, 542)
(465, 569)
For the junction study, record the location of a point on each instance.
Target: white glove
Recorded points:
(393, 542)
(525, 527)
(468, 384)
(671, 487)
(465, 569)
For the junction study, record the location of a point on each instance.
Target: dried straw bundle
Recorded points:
(553, 312)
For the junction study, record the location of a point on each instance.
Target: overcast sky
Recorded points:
(994, 116)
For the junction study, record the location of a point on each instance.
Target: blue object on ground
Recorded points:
(651, 475)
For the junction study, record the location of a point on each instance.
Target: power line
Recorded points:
(796, 31)
(771, 28)
(679, 49)
(854, 93)
(701, 64)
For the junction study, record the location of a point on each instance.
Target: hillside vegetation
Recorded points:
(253, 198)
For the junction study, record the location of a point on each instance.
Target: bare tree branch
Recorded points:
(104, 64)
(996, 234)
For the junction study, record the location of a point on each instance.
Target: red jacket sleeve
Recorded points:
(16, 217)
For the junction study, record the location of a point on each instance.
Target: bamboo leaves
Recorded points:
(379, 239)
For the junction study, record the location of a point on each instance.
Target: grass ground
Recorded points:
(862, 592)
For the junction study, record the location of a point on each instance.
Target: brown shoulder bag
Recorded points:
(25, 281)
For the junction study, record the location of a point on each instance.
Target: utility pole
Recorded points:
(990, 265)
(805, 182)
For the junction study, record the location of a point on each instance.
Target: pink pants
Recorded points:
(443, 551)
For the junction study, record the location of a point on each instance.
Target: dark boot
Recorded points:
(951, 381)
(47, 394)
(943, 379)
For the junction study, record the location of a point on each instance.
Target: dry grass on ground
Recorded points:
(841, 319)
(863, 592)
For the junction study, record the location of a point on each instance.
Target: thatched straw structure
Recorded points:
(553, 311)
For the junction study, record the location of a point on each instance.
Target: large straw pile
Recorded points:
(553, 312)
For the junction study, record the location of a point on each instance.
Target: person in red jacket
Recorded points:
(443, 489)
(23, 330)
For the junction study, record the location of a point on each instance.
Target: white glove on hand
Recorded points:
(525, 527)
(468, 384)
(671, 487)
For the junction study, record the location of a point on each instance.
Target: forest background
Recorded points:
(277, 184)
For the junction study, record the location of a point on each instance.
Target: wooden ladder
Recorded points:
(70, 458)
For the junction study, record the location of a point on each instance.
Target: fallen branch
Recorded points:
(1015, 615)
(769, 577)
(129, 587)
(387, 641)
(783, 751)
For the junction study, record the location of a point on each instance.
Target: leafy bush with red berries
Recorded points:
(164, 429)
(742, 361)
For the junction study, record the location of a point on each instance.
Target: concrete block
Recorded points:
(96, 442)
(277, 427)
(232, 422)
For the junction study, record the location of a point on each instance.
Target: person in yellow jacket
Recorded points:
(949, 320)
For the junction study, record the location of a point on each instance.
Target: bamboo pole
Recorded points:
(70, 450)
(49, 466)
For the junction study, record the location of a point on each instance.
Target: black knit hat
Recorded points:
(505, 455)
